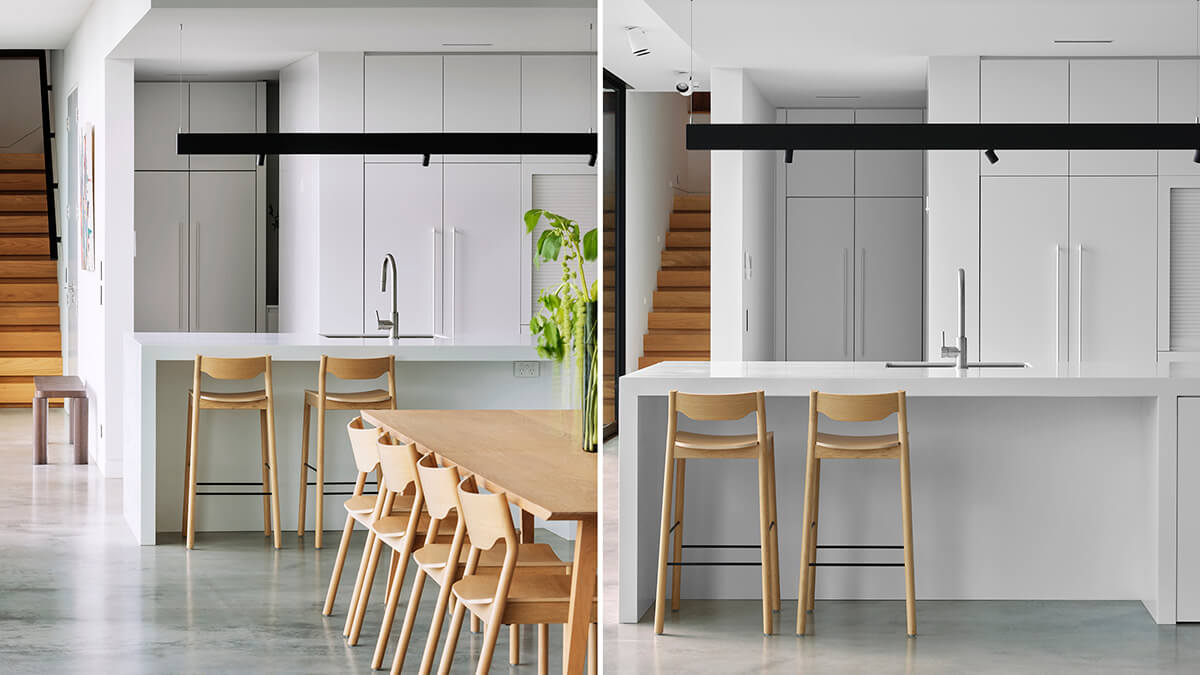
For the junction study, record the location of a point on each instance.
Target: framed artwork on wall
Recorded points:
(87, 199)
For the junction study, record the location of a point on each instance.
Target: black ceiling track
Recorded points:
(389, 144)
(943, 136)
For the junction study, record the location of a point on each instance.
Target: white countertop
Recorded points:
(310, 347)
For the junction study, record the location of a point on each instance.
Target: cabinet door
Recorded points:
(1022, 270)
(402, 93)
(1113, 268)
(160, 263)
(1115, 91)
(483, 231)
(482, 93)
(1188, 512)
(223, 274)
(889, 173)
(1177, 82)
(821, 173)
(888, 274)
(1024, 91)
(557, 93)
(157, 110)
(820, 287)
(402, 213)
(224, 107)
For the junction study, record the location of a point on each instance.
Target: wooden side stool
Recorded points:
(322, 399)
(854, 408)
(71, 389)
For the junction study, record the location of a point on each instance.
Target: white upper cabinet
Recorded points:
(1177, 103)
(160, 263)
(224, 107)
(402, 93)
(159, 109)
(889, 173)
(482, 93)
(558, 93)
(820, 279)
(1024, 91)
(821, 173)
(888, 272)
(223, 251)
(1114, 91)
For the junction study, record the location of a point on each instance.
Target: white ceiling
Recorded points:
(241, 43)
(40, 24)
(796, 50)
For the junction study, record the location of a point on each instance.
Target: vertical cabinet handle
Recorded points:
(193, 281)
(862, 302)
(181, 289)
(846, 302)
(1057, 304)
(453, 281)
(1079, 307)
(434, 326)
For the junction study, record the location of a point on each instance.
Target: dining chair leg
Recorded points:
(274, 472)
(774, 514)
(451, 641)
(764, 548)
(677, 548)
(660, 599)
(593, 653)
(910, 591)
(319, 496)
(806, 540)
(514, 644)
(389, 615)
(360, 610)
(491, 635)
(816, 528)
(192, 473)
(266, 478)
(187, 467)
(543, 644)
(358, 582)
(338, 565)
(303, 517)
(435, 627)
(475, 628)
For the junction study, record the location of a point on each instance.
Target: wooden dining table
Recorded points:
(534, 458)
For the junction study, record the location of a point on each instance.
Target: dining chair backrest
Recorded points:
(398, 461)
(364, 441)
(439, 484)
(856, 407)
(487, 517)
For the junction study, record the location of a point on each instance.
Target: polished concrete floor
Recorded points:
(78, 596)
(869, 637)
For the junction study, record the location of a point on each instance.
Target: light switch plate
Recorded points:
(526, 369)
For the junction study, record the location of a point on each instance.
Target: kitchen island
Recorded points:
(432, 373)
(1026, 483)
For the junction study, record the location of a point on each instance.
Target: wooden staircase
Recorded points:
(679, 320)
(30, 342)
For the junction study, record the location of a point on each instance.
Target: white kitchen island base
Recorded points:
(1025, 484)
(432, 374)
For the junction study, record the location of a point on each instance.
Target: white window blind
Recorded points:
(572, 196)
(1185, 269)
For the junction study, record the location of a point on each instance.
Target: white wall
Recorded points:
(105, 296)
(743, 222)
(21, 114)
(655, 161)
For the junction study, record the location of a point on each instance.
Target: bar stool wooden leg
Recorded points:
(187, 467)
(764, 548)
(910, 591)
(677, 523)
(338, 564)
(303, 518)
(273, 472)
(806, 541)
(593, 656)
(774, 515)
(543, 636)
(266, 477)
(319, 497)
(193, 470)
(816, 526)
(660, 600)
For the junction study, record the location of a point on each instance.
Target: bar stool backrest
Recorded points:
(718, 406)
(357, 369)
(857, 407)
(233, 369)
(487, 516)
(364, 441)
(398, 461)
(439, 483)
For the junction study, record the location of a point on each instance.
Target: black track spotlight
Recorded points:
(787, 156)
(1196, 157)
(991, 156)
(425, 159)
(262, 159)
(592, 159)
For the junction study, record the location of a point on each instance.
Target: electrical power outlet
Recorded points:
(526, 369)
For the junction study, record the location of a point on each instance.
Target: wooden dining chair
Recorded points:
(262, 400)
(685, 445)
(821, 446)
(514, 595)
(443, 564)
(322, 399)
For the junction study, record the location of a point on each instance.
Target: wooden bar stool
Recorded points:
(512, 595)
(442, 563)
(262, 400)
(854, 408)
(322, 399)
(684, 445)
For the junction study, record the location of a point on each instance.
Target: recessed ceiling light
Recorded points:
(467, 44)
(1083, 42)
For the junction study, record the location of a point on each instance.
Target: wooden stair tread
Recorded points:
(25, 181)
(23, 202)
(685, 258)
(690, 220)
(24, 224)
(693, 202)
(24, 245)
(22, 162)
(688, 239)
(681, 278)
(659, 320)
(28, 267)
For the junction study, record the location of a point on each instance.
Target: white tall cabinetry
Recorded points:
(854, 224)
(199, 263)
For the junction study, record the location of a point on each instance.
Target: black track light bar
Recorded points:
(943, 136)
(424, 144)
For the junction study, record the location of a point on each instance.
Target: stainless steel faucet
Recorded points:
(959, 353)
(394, 325)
